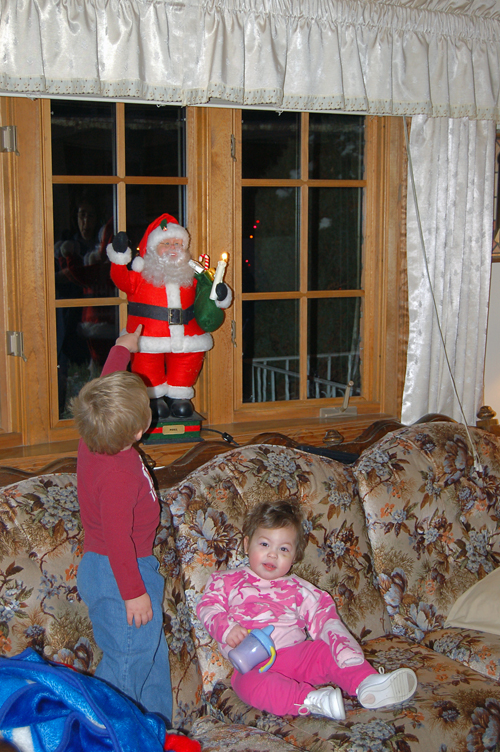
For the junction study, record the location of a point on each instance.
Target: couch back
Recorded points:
(41, 542)
(208, 509)
(432, 518)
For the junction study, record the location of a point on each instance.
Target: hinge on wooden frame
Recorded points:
(15, 345)
(8, 138)
(233, 332)
(233, 147)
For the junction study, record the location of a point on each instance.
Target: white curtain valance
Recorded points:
(433, 57)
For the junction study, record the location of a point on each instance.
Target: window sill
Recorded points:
(312, 431)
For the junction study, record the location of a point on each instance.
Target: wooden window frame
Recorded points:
(26, 271)
(385, 324)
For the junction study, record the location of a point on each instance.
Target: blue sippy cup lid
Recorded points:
(263, 636)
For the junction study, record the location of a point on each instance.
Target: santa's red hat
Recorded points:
(163, 228)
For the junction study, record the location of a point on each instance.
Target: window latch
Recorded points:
(15, 345)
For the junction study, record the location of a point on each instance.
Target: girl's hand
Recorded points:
(236, 635)
(130, 340)
(139, 610)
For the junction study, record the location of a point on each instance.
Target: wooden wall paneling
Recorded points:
(31, 270)
(11, 367)
(220, 234)
(394, 324)
(197, 203)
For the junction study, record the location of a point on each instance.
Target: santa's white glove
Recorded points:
(119, 251)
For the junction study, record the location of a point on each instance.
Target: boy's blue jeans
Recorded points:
(135, 659)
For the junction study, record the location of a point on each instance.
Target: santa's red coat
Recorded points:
(159, 336)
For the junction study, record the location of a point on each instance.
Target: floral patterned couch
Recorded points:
(396, 538)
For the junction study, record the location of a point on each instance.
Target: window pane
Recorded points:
(333, 336)
(84, 338)
(83, 136)
(83, 227)
(270, 350)
(336, 146)
(147, 202)
(335, 238)
(155, 140)
(270, 243)
(270, 145)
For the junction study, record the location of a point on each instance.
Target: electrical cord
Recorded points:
(477, 463)
(226, 436)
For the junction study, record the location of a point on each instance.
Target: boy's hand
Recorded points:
(130, 340)
(139, 610)
(236, 635)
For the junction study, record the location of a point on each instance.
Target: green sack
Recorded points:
(206, 313)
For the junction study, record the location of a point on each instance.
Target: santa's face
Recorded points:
(168, 262)
(171, 248)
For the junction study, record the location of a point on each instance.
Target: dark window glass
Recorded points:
(270, 350)
(333, 337)
(155, 140)
(270, 145)
(270, 243)
(147, 202)
(84, 339)
(83, 138)
(335, 238)
(336, 147)
(83, 227)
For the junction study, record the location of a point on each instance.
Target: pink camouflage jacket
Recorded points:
(292, 605)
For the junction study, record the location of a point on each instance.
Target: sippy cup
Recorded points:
(255, 648)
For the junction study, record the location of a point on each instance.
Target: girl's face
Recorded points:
(271, 552)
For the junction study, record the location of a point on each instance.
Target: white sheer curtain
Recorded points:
(436, 57)
(453, 165)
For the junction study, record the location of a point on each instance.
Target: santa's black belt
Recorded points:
(170, 315)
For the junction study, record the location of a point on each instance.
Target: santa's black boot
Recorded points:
(180, 408)
(159, 408)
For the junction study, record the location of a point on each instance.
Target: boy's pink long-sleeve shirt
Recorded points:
(292, 605)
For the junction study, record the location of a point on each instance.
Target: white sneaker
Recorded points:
(327, 701)
(380, 690)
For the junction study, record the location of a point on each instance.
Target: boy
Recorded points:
(118, 576)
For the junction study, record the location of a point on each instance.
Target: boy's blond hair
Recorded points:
(278, 514)
(110, 411)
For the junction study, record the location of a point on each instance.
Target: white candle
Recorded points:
(219, 275)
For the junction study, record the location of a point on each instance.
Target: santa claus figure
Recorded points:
(169, 295)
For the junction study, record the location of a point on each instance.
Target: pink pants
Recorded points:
(282, 688)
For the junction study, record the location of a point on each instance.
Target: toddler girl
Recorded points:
(264, 593)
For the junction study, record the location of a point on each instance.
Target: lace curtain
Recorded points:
(435, 57)
(453, 166)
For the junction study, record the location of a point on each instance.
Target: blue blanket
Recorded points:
(64, 711)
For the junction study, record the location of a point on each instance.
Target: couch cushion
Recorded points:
(208, 509)
(453, 709)
(41, 541)
(432, 518)
(477, 650)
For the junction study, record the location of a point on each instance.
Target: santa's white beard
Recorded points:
(159, 270)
